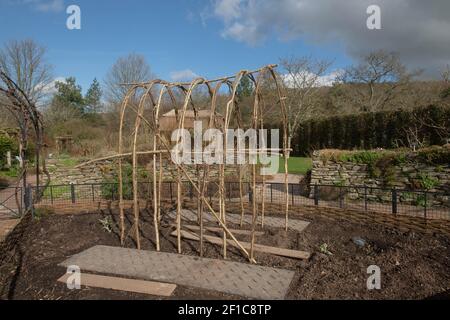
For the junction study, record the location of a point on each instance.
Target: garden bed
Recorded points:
(413, 265)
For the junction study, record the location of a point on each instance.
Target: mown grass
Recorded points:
(67, 161)
(296, 165)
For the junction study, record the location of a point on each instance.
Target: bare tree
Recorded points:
(445, 90)
(25, 112)
(377, 79)
(6, 120)
(302, 83)
(132, 68)
(24, 63)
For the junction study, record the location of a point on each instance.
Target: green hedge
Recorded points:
(6, 144)
(369, 130)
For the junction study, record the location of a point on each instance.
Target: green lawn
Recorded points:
(296, 165)
(10, 173)
(67, 161)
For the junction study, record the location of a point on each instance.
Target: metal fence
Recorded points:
(419, 203)
(11, 202)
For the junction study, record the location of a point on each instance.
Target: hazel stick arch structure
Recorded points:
(147, 98)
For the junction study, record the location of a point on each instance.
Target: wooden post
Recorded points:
(286, 184)
(160, 184)
(179, 211)
(222, 203)
(8, 159)
(155, 198)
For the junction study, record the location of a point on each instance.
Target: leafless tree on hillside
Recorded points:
(24, 63)
(377, 79)
(301, 79)
(132, 68)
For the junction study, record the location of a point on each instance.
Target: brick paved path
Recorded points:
(241, 279)
(294, 224)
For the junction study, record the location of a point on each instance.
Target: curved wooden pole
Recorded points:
(187, 100)
(200, 186)
(228, 113)
(136, 208)
(123, 110)
(285, 144)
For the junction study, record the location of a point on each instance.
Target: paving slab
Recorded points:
(247, 245)
(274, 222)
(235, 278)
(122, 284)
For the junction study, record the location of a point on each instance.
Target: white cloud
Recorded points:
(183, 75)
(417, 30)
(326, 80)
(228, 9)
(44, 5)
(50, 89)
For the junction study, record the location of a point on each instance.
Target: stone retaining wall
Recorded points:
(105, 170)
(93, 173)
(410, 176)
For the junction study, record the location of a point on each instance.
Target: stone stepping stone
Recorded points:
(246, 280)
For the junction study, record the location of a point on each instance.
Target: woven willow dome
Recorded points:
(151, 96)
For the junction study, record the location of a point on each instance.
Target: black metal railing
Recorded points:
(421, 203)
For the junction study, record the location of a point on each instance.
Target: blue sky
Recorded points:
(209, 37)
(170, 34)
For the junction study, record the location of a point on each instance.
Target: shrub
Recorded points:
(371, 130)
(6, 144)
(435, 155)
(362, 157)
(110, 186)
(427, 182)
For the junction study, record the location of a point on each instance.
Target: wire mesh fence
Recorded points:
(418, 203)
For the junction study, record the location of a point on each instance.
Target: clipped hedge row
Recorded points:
(371, 130)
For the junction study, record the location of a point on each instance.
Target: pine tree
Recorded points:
(93, 98)
(245, 87)
(69, 95)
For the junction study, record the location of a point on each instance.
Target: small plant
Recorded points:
(421, 201)
(110, 186)
(324, 249)
(362, 157)
(428, 182)
(406, 196)
(106, 224)
(401, 159)
(43, 212)
(339, 183)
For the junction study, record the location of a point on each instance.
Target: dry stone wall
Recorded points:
(410, 176)
(102, 171)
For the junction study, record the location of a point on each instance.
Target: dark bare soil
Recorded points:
(413, 265)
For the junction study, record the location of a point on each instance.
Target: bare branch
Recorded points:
(24, 63)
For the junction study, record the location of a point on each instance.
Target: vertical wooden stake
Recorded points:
(286, 183)
(241, 196)
(121, 212)
(155, 198)
(263, 196)
(179, 211)
(254, 211)
(160, 182)
(222, 207)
